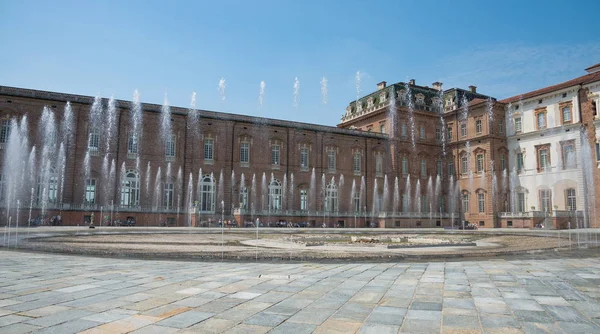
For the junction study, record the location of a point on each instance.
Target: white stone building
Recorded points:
(546, 164)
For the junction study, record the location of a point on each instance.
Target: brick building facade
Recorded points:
(403, 156)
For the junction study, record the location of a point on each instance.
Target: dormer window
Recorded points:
(370, 102)
(420, 99)
(359, 107)
(382, 97)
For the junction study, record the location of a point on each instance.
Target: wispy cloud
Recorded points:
(505, 70)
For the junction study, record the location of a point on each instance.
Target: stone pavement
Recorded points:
(48, 293)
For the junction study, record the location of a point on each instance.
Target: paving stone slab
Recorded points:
(368, 328)
(185, 319)
(73, 326)
(266, 319)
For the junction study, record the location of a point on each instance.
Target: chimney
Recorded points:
(381, 85)
(593, 68)
(473, 89)
(437, 85)
(411, 82)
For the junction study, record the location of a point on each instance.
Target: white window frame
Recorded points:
(209, 149)
(207, 194)
(5, 131)
(331, 160)
(481, 202)
(245, 153)
(331, 197)
(170, 148)
(521, 204)
(356, 163)
(132, 144)
(275, 155)
(480, 162)
(90, 192)
(304, 158)
(130, 189)
(518, 124)
(478, 126)
(275, 196)
(571, 197)
(303, 199)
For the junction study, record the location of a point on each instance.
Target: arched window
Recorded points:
(207, 194)
(331, 198)
(275, 195)
(130, 189)
(47, 188)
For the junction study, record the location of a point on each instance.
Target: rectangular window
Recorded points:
(480, 163)
(501, 127)
(441, 207)
(244, 153)
(304, 158)
(422, 132)
(423, 168)
(168, 196)
(90, 191)
(1, 187)
(463, 129)
(481, 202)
(569, 156)
(356, 201)
(566, 114)
(403, 130)
(597, 151)
(424, 205)
(439, 168)
(244, 198)
(170, 148)
(541, 120)
(571, 200)
(331, 159)
(208, 149)
(478, 126)
(438, 134)
(378, 164)
(404, 203)
(356, 164)
(545, 200)
(451, 168)
(275, 155)
(465, 203)
(521, 202)
(93, 140)
(464, 162)
(520, 162)
(449, 133)
(518, 125)
(382, 128)
(502, 163)
(544, 159)
(404, 165)
(303, 199)
(132, 144)
(5, 131)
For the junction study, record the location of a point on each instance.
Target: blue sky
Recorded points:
(109, 48)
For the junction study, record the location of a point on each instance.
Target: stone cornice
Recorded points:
(548, 131)
(206, 114)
